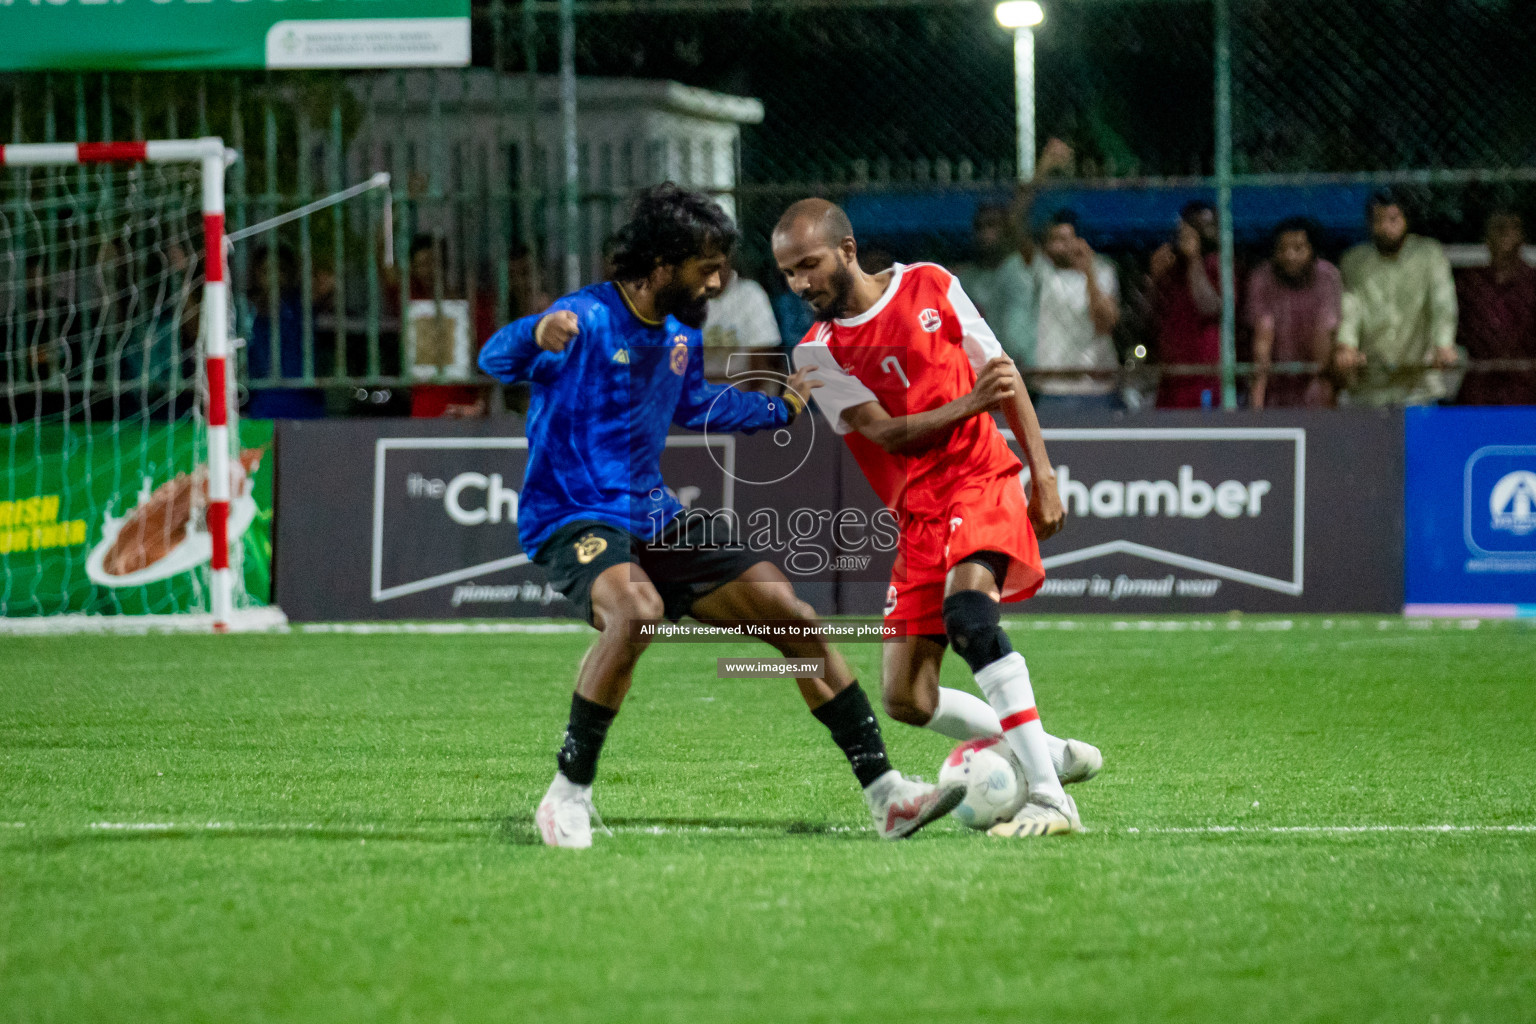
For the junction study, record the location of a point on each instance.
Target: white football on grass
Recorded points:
(994, 791)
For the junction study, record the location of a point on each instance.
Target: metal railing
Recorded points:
(859, 99)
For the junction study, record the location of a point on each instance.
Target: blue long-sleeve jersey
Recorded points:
(601, 409)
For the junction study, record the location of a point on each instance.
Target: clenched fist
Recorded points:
(995, 384)
(556, 330)
(1045, 510)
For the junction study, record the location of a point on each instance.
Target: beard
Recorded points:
(693, 313)
(1390, 247)
(675, 300)
(991, 255)
(1296, 281)
(841, 285)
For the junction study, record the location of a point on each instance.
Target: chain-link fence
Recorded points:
(902, 110)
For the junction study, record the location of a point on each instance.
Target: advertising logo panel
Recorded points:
(1471, 507)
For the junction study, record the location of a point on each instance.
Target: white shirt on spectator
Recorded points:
(1066, 337)
(742, 317)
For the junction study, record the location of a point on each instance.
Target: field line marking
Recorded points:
(1326, 829)
(427, 831)
(441, 628)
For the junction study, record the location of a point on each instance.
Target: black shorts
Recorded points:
(683, 565)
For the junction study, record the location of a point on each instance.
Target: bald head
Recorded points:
(814, 248)
(815, 219)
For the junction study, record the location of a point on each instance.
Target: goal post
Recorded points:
(114, 332)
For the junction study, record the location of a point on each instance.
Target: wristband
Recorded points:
(794, 401)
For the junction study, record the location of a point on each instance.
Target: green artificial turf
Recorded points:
(337, 828)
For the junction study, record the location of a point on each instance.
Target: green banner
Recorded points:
(170, 35)
(108, 520)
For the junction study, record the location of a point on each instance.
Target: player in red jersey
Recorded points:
(910, 372)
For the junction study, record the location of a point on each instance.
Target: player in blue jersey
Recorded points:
(613, 366)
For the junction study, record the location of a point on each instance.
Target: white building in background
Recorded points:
(457, 139)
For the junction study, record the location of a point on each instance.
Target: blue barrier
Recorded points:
(1141, 216)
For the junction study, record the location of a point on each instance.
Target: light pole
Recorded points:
(1022, 16)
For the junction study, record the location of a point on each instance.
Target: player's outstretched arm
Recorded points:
(906, 435)
(722, 408)
(532, 348)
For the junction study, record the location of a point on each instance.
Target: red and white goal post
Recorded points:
(209, 158)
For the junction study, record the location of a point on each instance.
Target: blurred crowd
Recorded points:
(1389, 323)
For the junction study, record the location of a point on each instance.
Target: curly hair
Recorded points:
(667, 225)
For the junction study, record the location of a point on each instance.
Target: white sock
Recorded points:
(563, 788)
(1058, 748)
(1006, 684)
(964, 716)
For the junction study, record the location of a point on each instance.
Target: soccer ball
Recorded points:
(994, 791)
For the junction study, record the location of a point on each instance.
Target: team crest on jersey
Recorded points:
(589, 547)
(680, 355)
(930, 320)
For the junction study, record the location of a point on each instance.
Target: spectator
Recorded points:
(740, 322)
(1293, 307)
(526, 294)
(427, 279)
(793, 313)
(1186, 300)
(1001, 281)
(610, 246)
(1398, 326)
(875, 259)
(1498, 315)
(273, 403)
(1079, 305)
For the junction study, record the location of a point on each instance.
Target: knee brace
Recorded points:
(971, 622)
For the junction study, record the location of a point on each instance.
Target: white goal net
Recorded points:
(126, 485)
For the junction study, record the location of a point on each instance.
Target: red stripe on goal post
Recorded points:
(213, 245)
(1019, 718)
(218, 529)
(112, 152)
(218, 402)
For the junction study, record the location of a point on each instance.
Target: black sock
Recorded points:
(853, 726)
(584, 735)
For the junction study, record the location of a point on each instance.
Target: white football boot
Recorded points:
(901, 804)
(1082, 762)
(1041, 815)
(565, 815)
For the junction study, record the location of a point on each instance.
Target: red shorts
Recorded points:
(988, 515)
